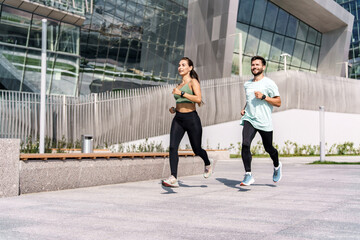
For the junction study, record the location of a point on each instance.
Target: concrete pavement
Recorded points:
(310, 202)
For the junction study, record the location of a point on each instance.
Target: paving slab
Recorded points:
(310, 202)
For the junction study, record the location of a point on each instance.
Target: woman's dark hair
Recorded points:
(193, 74)
(259, 58)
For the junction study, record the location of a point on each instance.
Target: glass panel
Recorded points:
(69, 39)
(318, 39)
(245, 11)
(243, 29)
(14, 26)
(302, 31)
(35, 32)
(315, 58)
(281, 22)
(257, 18)
(64, 75)
(272, 66)
(252, 41)
(292, 27)
(32, 74)
(246, 66)
(270, 16)
(265, 44)
(276, 47)
(298, 52)
(52, 34)
(312, 34)
(307, 56)
(288, 46)
(11, 76)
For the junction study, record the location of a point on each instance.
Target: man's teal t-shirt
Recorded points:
(257, 111)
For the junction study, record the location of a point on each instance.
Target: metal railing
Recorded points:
(117, 117)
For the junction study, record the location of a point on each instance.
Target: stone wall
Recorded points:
(52, 175)
(9, 167)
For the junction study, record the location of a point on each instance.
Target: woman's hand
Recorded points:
(172, 110)
(242, 112)
(176, 91)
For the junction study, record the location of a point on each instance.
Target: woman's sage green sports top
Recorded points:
(186, 89)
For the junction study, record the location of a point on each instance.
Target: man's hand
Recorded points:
(243, 112)
(258, 94)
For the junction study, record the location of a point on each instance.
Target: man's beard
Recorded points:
(258, 73)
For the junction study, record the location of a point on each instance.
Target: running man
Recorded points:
(261, 95)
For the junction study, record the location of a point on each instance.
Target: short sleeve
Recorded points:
(273, 90)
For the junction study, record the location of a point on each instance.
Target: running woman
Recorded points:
(186, 119)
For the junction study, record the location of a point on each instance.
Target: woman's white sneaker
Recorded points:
(170, 182)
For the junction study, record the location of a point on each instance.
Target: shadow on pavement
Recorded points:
(268, 185)
(181, 184)
(236, 184)
(169, 190)
(232, 183)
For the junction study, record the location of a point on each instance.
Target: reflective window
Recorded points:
(315, 58)
(52, 34)
(302, 31)
(272, 66)
(265, 44)
(139, 41)
(292, 27)
(245, 10)
(298, 53)
(278, 33)
(307, 56)
(23, 31)
(276, 47)
(270, 16)
(288, 47)
(14, 26)
(35, 32)
(64, 74)
(257, 18)
(312, 34)
(252, 41)
(68, 39)
(281, 22)
(11, 77)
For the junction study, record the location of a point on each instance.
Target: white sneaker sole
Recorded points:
(165, 184)
(244, 184)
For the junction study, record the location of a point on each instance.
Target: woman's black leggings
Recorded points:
(248, 135)
(190, 123)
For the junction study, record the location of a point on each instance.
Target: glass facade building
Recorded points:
(269, 31)
(20, 53)
(122, 44)
(353, 6)
(133, 43)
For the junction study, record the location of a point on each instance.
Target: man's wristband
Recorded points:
(182, 93)
(263, 97)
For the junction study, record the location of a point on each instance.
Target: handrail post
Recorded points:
(43, 87)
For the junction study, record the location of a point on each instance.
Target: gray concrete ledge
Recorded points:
(9, 167)
(52, 175)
